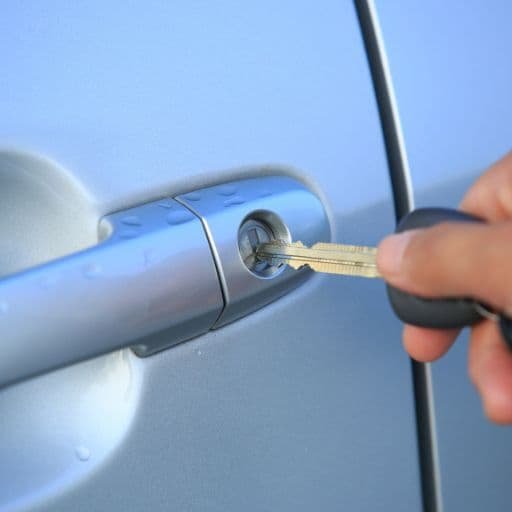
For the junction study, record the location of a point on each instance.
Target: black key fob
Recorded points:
(440, 313)
(434, 313)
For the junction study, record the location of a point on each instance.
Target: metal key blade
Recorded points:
(350, 260)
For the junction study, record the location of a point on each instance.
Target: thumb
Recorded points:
(452, 260)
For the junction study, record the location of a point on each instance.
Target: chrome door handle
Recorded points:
(153, 273)
(165, 272)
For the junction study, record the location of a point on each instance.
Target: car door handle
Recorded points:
(136, 282)
(163, 272)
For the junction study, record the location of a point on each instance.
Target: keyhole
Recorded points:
(259, 227)
(253, 233)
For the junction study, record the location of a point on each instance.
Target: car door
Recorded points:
(306, 402)
(452, 76)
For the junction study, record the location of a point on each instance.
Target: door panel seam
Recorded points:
(403, 203)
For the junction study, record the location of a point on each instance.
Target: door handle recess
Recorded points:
(154, 273)
(164, 272)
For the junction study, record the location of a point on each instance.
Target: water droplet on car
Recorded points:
(131, 220)
(83, 453)
(179, 217)
(167, 204)
(227, 190)
(234, 201)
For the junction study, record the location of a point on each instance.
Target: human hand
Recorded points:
(464, 260)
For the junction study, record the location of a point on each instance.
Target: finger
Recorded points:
(452, 260)
(490, 369)
(491, 195)
(427, 344)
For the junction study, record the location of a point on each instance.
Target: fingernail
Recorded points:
(391, 251)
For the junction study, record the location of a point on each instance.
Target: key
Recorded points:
(350, 260)
(355, 260)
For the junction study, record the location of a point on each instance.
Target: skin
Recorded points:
(428, 262)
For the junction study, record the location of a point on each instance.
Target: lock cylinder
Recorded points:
(257, 228)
